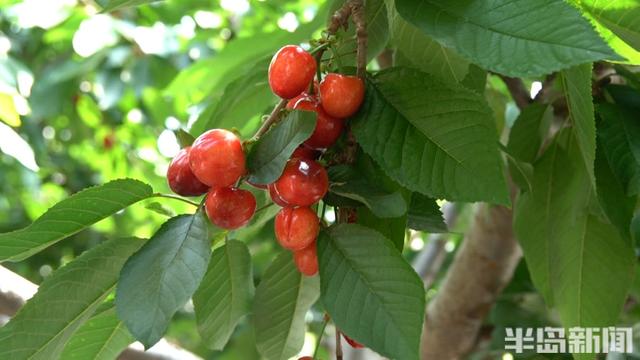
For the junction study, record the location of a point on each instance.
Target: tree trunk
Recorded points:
(482, 267)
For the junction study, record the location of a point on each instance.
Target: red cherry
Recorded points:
(217, 158)
(341, 95)
(230, 208)
(276, 198)
(296, 228)
(305, 358)
(302, 183)
(180, 177)
(328, 129)
(291, 71)
(307, 260)
(354, 344)
(305, 153)
(108, 141)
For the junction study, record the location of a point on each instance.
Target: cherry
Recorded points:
(302, 183)
(108, 141)
(230, 208)
(307, 260)
(296, 228)
(276, 198)
(354, 344)
(328, 129)
(180, 177)
(341, 95)
(305, 152)
(305, 358)
(217, 158)
(291, 71)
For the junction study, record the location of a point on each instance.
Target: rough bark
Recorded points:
(482, 267)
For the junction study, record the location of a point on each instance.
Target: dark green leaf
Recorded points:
(436, 139)
(282, 299)
(379, 308)
(162, 276)
(69, 216)
(511, 37)
(529, 131)
(617, 205)
(103, 337)
(352, 185)
(160, 209)
(625, 95)
(64, 301)
(225, 294)
(620, 135)
(425, 215)
(269, 155)
(184, 138)
(576, 83)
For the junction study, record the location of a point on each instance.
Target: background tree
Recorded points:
(518, 119)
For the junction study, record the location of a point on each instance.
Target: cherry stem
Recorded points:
(359, 18)
(273, 117)
(324, 326)
(174, 197)
(263, 208)
(338, 345)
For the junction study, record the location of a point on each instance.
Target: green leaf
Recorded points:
(618, 45)
(583, 266)
(377, 27)
(161, 209)
(620, 135)
(89, 111)
(576, 83)
(269, 155)
(282, 299)
(420, 51)
(8, 112)
(64, 301)
(434, 138)
(620, 16)
(352, 185)
(103, 337)
(625, 96)
(511, 37)
(617, 205)
(184, 138)
(225, 294)
(377, 307)
(242, 99)
(70, 216)
(162, 276)
(529, 131)
(119, 4)
(560, 186)
(425, 215)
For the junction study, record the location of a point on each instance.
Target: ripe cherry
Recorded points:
(291, 71)
(217, 158)
(305, 358)
(328, 129)
(305, 152)
(341, 95)
(230, 208)
(108, 141)
(354, 344)
(296, 228)
(307, 260)
(180, 177)
(276, 198)
(302, 183)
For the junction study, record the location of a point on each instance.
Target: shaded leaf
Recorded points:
(511, 37)
(45, 323)
(425, 215)
(270, 154)
(379, 308)
(225, 294)
(529, 131)
(620, 16)
(162, 276)
(436, 139)
(70, 216)
(282, 299)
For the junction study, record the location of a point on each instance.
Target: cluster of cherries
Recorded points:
(216, 160)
